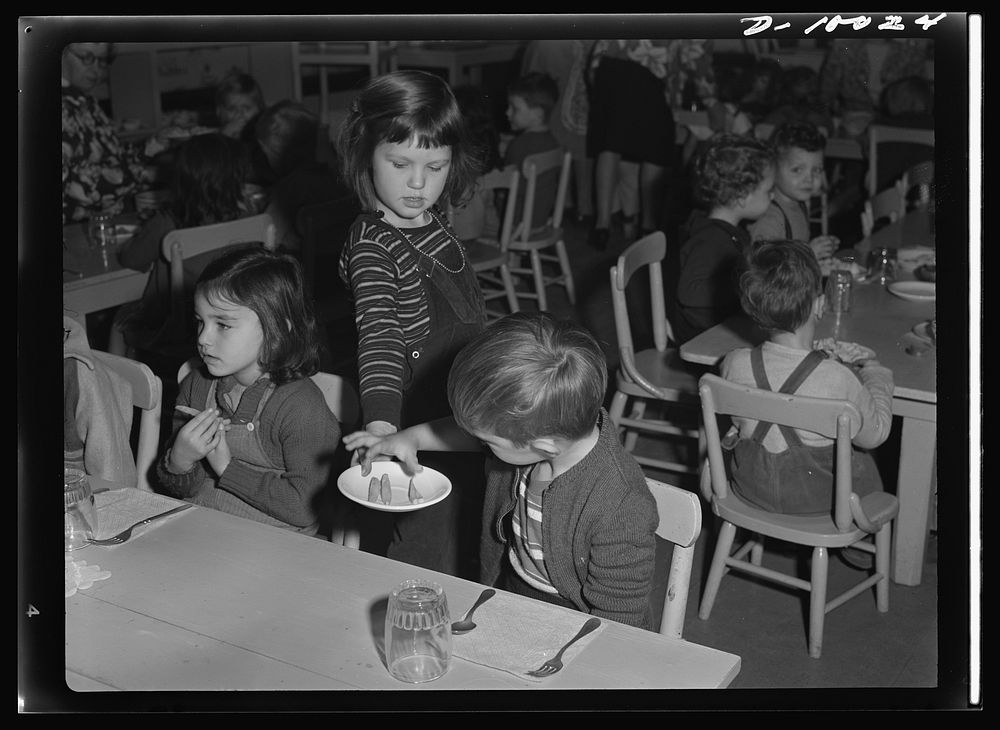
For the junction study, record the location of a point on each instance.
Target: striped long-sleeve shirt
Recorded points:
(391, 310)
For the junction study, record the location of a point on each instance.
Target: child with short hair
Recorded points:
(530, 101)
(734, 175)
(259, 444)
(404, 148)
(782, 292)
(568, 517)
(798, 152)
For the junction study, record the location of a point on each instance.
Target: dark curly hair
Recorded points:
(802, 135)
(730, 167)
(395, 108)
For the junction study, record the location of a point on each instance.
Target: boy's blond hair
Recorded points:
(529, 376)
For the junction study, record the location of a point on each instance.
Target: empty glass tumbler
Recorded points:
(417, 632)
(882, 265)
(80, 520)
(838, 291)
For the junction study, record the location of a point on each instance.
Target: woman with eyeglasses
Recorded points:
(99, 171)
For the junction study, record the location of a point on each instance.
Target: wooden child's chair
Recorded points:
(652, 375)
(538, 243)
(680, 523)
(851, 522)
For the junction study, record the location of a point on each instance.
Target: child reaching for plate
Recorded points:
(404, 147)
(529, 390)
(788, 470)
(259, 445)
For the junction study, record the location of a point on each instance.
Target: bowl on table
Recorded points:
(430, 485)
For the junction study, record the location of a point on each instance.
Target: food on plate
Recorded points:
(849, 353)
(373, 491)
(414, 496)
(386, 489)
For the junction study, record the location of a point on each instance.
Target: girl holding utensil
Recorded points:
(260, 444)
(403, 147)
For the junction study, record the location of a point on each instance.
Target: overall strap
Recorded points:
(788, 223)
(791, 384)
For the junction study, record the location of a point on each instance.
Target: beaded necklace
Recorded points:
(444, 228)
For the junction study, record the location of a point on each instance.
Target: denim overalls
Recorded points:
(430, 537)
(244, 441)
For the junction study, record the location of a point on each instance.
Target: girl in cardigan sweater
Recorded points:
(261, 439)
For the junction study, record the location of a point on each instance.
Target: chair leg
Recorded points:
(757, 551)
(817, 599)
(508, 285)
(883, 543)
(638, 411)
(566, 271)
(538, 276)
(722, 547)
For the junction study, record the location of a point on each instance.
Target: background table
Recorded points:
(209, 601)
(92, 277)
(879, 320)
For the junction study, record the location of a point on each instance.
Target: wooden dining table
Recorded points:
(208, 601)
(93, 279)
(883, 322)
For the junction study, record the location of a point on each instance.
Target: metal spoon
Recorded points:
(465, 625)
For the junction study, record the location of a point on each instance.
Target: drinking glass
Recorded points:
(101, 230)
(838, 291)
(80, 520)
(417, 632)
(882, 265)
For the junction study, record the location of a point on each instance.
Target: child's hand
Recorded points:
(219, 457)
(195, 440)
(824, 246)
(369, 445)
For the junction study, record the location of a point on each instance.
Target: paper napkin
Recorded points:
(518, 635)
(117, 509)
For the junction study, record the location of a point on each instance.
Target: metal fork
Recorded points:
(554, 664)
(127, 533)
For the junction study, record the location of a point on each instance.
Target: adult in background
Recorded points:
(629, 120)
(99, 171)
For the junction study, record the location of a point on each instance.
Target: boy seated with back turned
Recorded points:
(529, 389)
(788, 470)
(733, 179)
(530, 101)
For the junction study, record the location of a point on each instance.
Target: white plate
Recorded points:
(432, 484)
(914, 291)
(923, 331)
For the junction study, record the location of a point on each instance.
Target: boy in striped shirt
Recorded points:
(567, 515)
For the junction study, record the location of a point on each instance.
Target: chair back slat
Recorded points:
(881, 134)
(836, 419)
(533, 167)
(679, 513)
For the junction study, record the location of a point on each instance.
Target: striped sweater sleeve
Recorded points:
(390, 313)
